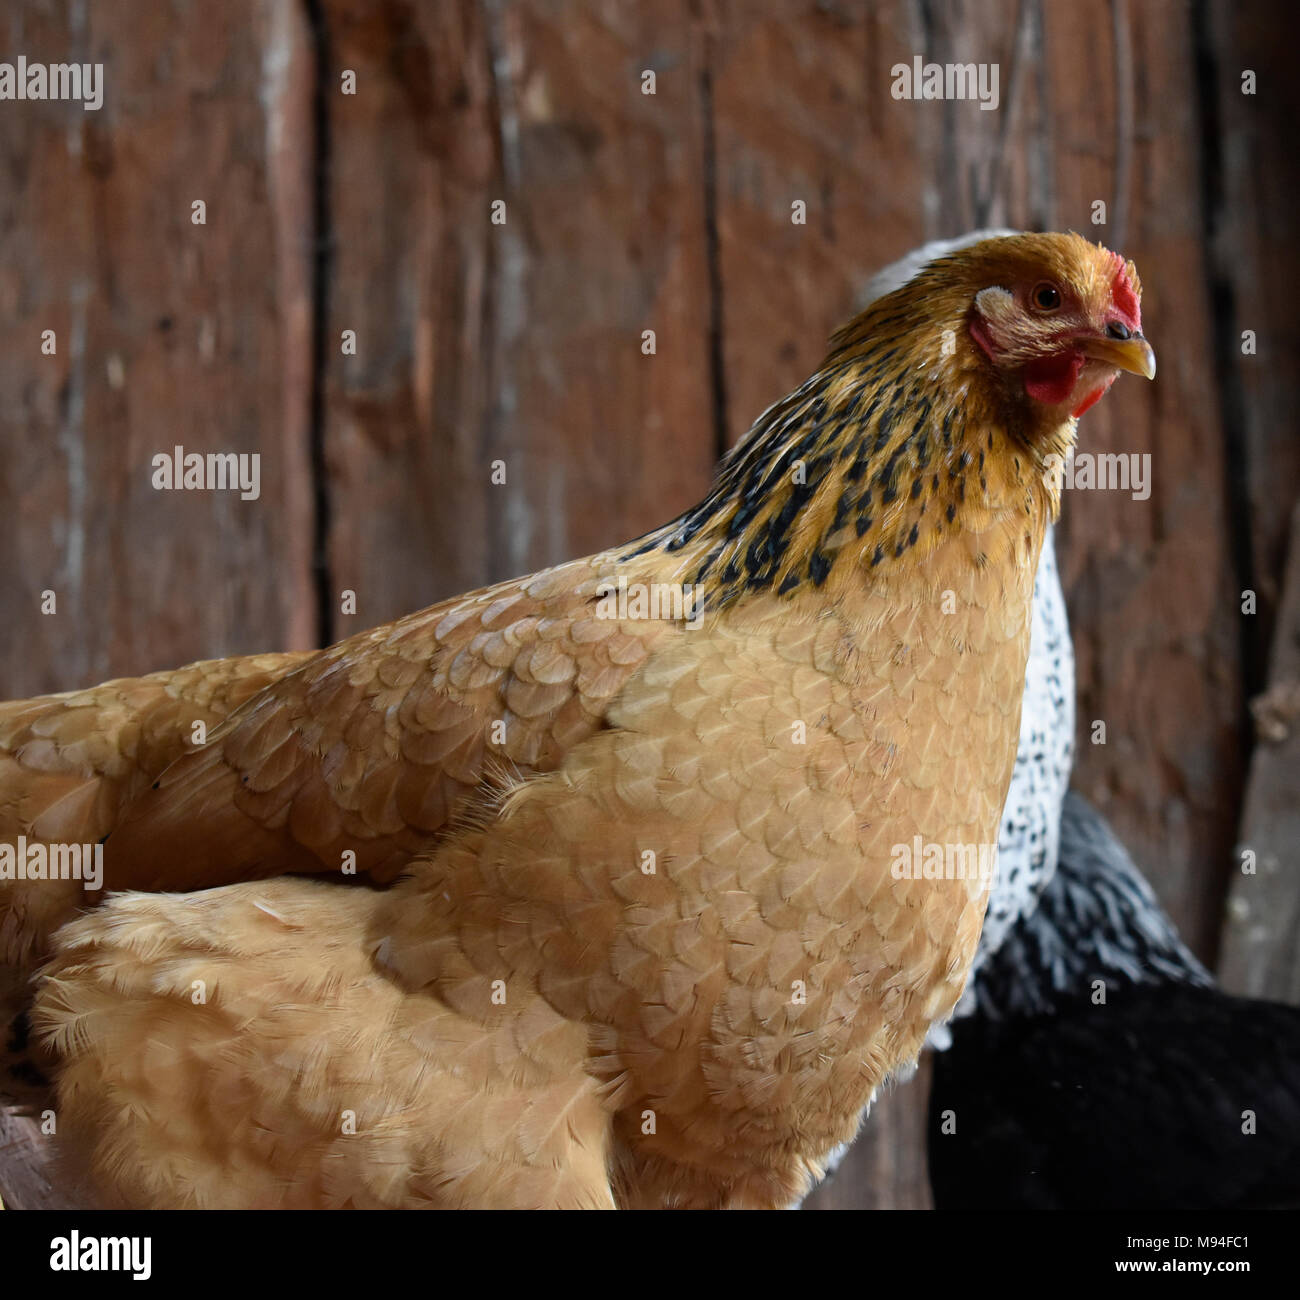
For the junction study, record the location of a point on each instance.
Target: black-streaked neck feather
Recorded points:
(900, 442)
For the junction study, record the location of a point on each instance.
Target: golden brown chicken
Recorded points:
(652, 947)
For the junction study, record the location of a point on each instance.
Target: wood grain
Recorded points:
(1260, 955)
(518, 343)
(167, 333)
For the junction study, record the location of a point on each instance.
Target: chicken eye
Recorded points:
(1046, 297)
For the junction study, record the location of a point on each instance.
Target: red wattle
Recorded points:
(1051, 379)
(1093, 397)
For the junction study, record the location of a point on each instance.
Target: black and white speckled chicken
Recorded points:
(1169, 1093)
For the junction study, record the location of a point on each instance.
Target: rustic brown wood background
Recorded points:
(522, 342)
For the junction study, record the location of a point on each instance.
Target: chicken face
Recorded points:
(1062, 322)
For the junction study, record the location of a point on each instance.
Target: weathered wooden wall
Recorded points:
(522, 342)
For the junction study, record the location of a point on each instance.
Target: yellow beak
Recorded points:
(1134, 355)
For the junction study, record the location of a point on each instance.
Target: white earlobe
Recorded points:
(995, 304)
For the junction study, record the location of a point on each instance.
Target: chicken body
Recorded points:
(651, 948)
(742, 991)
(533, 991)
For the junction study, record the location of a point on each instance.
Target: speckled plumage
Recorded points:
(649, 948)
(1028, 839)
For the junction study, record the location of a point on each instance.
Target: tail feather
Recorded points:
(241, 1047)
(70, 765)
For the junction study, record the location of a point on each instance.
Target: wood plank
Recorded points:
(1261, 936)
(802, 113)
(1254, 264)
(29, 1179)
(518, 342)
(166, 333)
(1149, 582)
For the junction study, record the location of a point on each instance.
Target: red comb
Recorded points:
(1123, 297)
